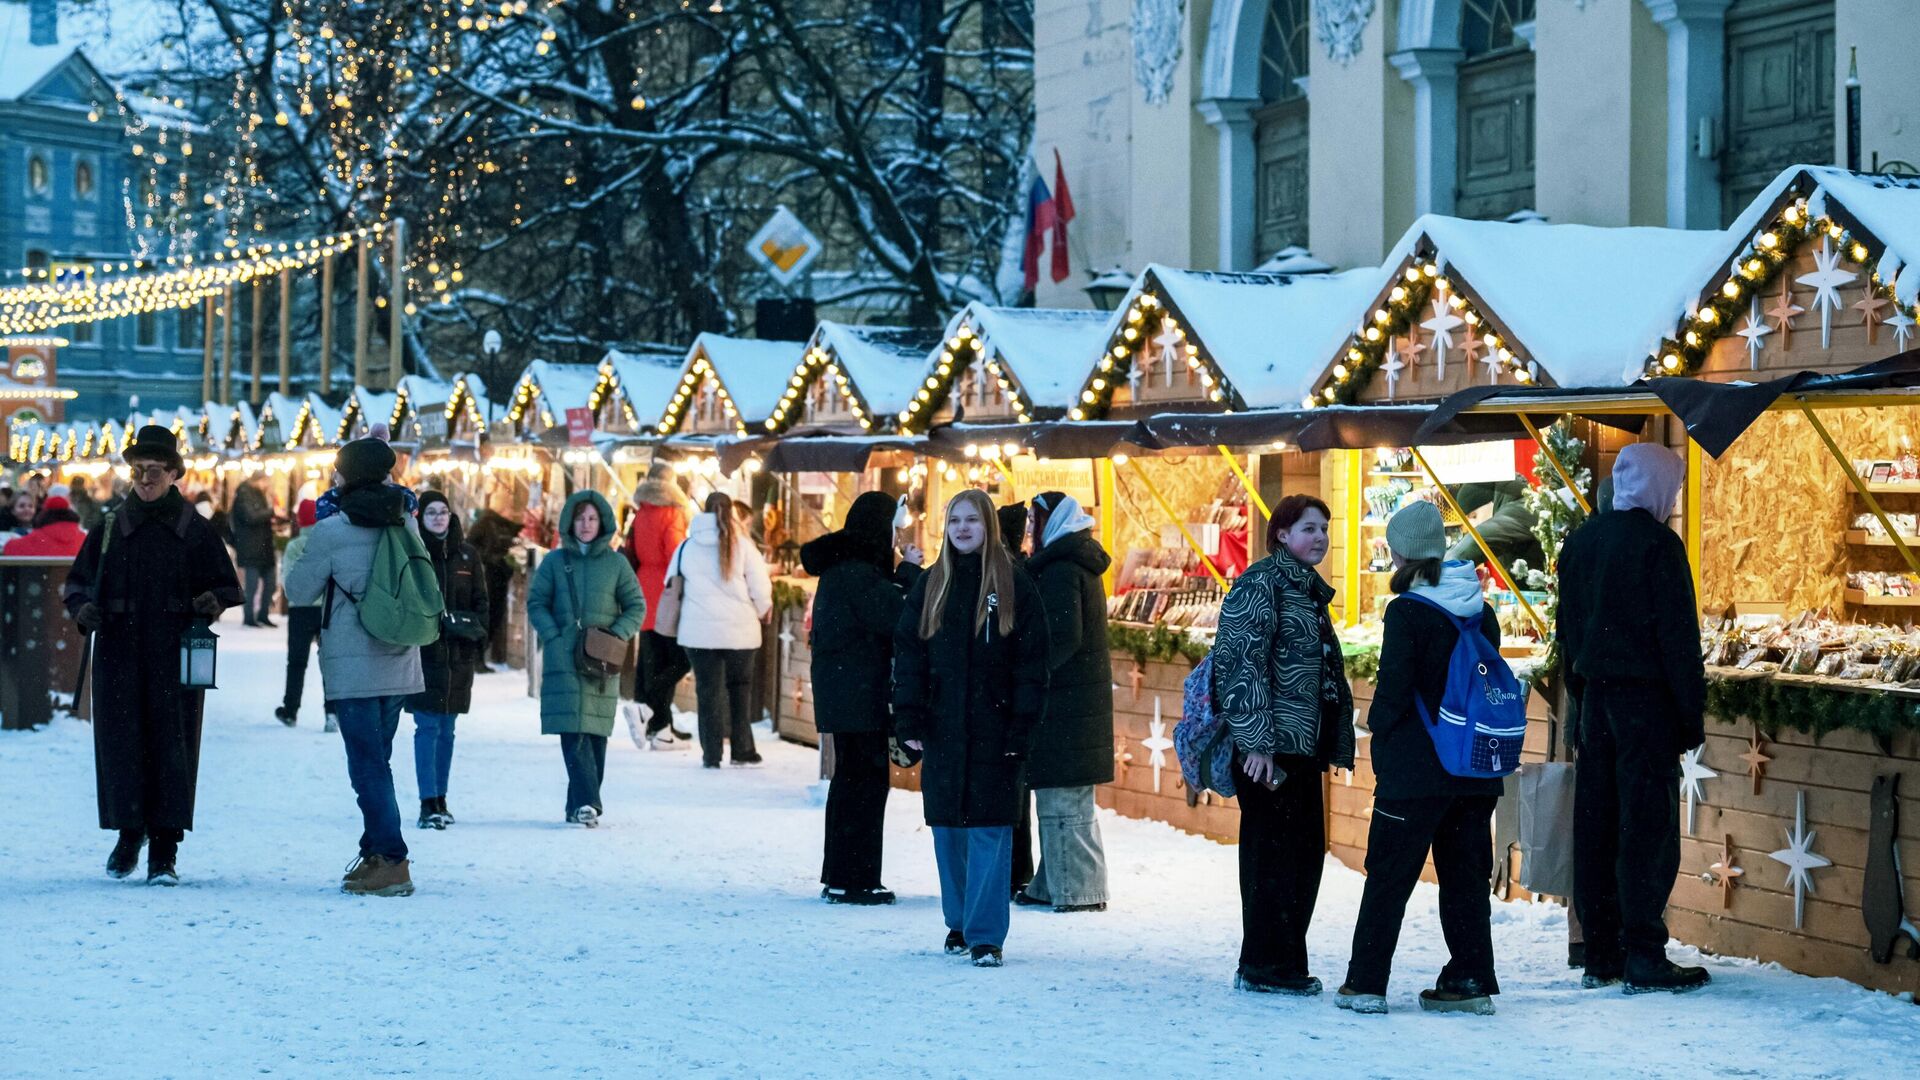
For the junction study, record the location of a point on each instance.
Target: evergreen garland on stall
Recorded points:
(1772, 705)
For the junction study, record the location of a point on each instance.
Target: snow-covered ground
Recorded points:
(686, 938)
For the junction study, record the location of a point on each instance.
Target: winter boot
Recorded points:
(870, 897)
(1455, 1001)
(286, 716)
(750, 761)
(126, 853)
(586, 816)
(332, 725)
(440, 807)
(987, 956)
(379, 876)
(1023, 898)
(1068, 908)
(1366, 1004)
(1663, 975)
(1287, 986)
(429, 818)
(160, 857)
(1599, 980)
(956, 943)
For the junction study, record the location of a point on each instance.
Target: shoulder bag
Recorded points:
(597, 653)
(666, 616)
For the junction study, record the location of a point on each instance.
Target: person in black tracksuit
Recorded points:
(855, 610)
(1630, 638)
(1417, 805)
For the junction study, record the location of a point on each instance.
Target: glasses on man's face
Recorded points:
(148, 472)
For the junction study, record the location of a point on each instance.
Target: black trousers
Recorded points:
(586, 758)
(663, 663)
(1283, 848)
(1459, 831)
(1626, 823)
(856, 811)
(723, 683)
(1023, 842)
(303, 629)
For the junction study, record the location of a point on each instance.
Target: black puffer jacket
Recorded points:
(972, 697)
(855, 610)
(449, 663)
(1073, 746)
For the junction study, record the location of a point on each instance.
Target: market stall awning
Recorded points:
(813, 453)
(1044, 439)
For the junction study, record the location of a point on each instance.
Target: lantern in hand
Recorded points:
(197, 649)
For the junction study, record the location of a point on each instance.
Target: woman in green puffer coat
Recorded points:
(582, 583)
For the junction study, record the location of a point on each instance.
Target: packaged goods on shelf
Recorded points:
(1813, 644)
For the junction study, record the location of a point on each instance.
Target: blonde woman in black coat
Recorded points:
(969, 684)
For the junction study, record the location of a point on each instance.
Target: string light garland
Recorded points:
(1151, 320)
(818, 363)
(608, 386)
(966, 351)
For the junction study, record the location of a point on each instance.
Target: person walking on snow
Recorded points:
(138, 584)
(658, 526)
(582, 583)
(969, 685)
(1418, 806)
(303, 624)
(855, 609)
(1631, 648)
(448, 664)
(366, 680)
(252, 522)
(727, 595)
(1073, 746)
(1280, 683)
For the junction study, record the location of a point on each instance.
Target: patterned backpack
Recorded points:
(1201, 739)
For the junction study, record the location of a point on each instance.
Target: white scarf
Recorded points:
(1458, 592)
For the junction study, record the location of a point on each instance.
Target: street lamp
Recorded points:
(1108, 287)
(490, 343)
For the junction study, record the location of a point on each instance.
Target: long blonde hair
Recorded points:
(996, 571)
(721, 508)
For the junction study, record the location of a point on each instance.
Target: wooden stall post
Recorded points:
(1356, 509)
(1103, 477)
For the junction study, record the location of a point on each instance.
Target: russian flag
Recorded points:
(1040, 221)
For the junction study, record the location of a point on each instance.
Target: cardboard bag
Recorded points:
(1546, 828)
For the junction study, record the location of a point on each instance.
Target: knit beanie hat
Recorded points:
(307, 513)
(364, 461)
(1417, 533)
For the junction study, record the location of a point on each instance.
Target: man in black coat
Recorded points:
(138, 584)
(1073, 744)
(252, 523)
(1630, 642)
(855, 610)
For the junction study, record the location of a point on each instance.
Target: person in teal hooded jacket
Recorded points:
(582, 583)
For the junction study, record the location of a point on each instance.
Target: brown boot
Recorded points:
(379, 876)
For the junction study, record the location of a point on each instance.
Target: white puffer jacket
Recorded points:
(716, 612)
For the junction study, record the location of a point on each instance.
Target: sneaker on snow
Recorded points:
(160, 855)
(378, 876)
(1366, 1004)
(956, 943)
(1665, 976)
(1294, 986)
(429, 816)
(586, 816)
(440, 808)
(664, 739)
(286, 716)
(1455, 1001)
(752, 761)
(636, 730)
(987, 956)
(126, 853)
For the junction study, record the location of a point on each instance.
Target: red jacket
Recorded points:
(652, 536)
(61, 538)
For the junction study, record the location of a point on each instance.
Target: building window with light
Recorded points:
(39, 174)
(187, 327)
(146, 330)
(83, 180)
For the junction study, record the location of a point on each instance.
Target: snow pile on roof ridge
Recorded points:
(1889, 208)
(885, 363)
(755, 371)
(1271, 335)
(1048, 350)
(647, 381)
(563, 386)
(1538, 280)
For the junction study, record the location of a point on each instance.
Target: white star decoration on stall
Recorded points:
(1755, 331)
(1492, 361)
(1157, 742)
(1169, 343)
(1826, 282)
(1443, 324)
(1694, 772)
(1799, 859)
(1902, 324)
(1391, 368)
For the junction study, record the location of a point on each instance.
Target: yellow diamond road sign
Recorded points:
(784, 247)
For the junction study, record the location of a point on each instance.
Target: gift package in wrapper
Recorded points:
(1814, 643)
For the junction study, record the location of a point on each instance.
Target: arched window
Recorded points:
(39, 175)
(1780, 79)
(83, 179)
(1280, 134)
(1496, 109)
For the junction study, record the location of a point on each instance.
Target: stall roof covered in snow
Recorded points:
(365, 408)
(1888, 207)
(885, 363)
(558, 387)
(1588, 304)
(1048, 350)
(1268, 334)
(646, 382)
(419, 391)
(323, 419)
(753, 372)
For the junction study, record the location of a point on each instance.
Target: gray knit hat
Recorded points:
(1417, 533)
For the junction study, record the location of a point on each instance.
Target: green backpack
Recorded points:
(402, 604)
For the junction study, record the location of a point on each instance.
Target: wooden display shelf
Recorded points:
(1863, 538)
(1423, 476)
(1894, 487)
(1855, 596)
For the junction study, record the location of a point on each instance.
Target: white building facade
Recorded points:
(1214, 133)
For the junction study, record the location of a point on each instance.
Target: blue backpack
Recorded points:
(1483, 711)
(1201, 740)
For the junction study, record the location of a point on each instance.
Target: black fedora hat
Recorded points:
(155, 443)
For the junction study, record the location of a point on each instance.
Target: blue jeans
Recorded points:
(432, 752)
(976, 880)
(367, 727)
